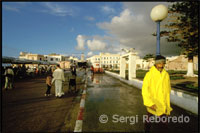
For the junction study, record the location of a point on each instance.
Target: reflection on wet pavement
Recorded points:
(118, 101)
(109, 96)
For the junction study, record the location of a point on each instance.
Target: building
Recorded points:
(65, 64)
(30, 56)
(180, 63)
(82, 57)
(106, 60)
(55, 58)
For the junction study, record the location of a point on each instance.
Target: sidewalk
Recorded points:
(179, 98)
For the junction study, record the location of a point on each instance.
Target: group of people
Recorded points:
(58, 78)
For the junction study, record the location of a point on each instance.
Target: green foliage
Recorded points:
(190, 86)
(183, 26)
(176, 72)
(148, 56)
(115, 71)
(141, 73)
(176, 77)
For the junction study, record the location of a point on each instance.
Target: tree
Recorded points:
(148, 58)
(182, 28)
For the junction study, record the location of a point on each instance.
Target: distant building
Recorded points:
(55, 58)
(30, 56)
(82, 57)
(65, 64)
(180, 63)
(144, 64)
(106, 60)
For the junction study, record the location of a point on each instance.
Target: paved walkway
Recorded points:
(114, 106)
(26, 109)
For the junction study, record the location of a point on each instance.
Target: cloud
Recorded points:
(89, 18)
(107, 9)
(14, 6)
(80, 42)
(57, 9)
(133, 28)
(96, 45)
(10, 8)
(90, 53)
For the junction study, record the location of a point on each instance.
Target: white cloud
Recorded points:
(57, 9)
(15, 6)
(90, 53)
(133, 28)
(107, 9)
(89, 18)
(11, 8)
(96, 45)
(80, 42)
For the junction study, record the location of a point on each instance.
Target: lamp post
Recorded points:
(158, 13)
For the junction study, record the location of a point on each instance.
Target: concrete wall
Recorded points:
(181, 99)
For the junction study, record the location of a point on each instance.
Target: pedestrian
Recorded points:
(48, 82)
(58, 77)
(9, 75)
(156, 93)
(72, 81)
(92, 69)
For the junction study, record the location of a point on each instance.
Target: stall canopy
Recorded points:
(13, 60)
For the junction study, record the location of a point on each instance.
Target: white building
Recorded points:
(82, 57)
(55, 58)
(106, 60)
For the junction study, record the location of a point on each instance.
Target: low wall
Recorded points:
(181, 99)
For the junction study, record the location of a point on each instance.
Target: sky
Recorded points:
(72, 28)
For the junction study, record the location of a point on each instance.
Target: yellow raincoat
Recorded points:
(156, 90)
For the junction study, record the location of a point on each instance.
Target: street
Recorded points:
(26, 109)
(114, 106)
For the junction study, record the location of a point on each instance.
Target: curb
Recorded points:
(180, 99)
(79, 121)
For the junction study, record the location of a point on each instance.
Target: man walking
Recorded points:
(156, 93)
(58, 77)
(9, 75)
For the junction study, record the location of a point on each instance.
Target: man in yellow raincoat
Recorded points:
(156, 91)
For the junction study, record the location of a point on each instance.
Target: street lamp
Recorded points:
(158, 13)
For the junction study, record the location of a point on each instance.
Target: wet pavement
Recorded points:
(112, 105)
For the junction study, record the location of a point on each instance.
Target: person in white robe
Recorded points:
(58, 77)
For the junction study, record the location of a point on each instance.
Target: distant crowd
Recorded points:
(11, 73)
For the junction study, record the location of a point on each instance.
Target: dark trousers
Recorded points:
(72, 82)
(48, 89)
(160, 126)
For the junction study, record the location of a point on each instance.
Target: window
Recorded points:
(110, 61)
(40, 58)
(104, 58)
(51, 59)
(116, 61)
(104, 61)
(56, 59)
(107, 57)
(110, 57)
